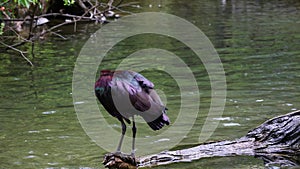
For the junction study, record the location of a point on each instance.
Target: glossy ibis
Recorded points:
(125, 94)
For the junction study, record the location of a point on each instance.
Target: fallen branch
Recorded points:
(276, 141)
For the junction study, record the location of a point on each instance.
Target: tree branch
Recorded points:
(276, 141)
(21, 52)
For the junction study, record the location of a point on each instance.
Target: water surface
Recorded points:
(257, 41)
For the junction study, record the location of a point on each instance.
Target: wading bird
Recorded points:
(125, 94)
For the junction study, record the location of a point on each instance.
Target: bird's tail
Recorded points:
(159, 122)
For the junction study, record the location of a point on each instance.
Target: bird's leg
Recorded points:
(122, 136)
(133, 137)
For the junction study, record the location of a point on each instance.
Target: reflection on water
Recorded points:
(257, 41)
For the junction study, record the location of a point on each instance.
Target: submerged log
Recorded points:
(276, 141)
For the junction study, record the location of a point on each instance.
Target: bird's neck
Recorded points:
(103, 81)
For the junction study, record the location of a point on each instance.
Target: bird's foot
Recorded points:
(133, 156)
(119, 160)
(133, 153)
(118, 153)
(127, 156)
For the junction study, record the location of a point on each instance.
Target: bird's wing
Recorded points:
(143, 82)
(131, 82)
(147, 100)
(140, 90)
(151, 108)
(143, 100)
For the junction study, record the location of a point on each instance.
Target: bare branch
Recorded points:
(21, 52)
(59, 35)
(110, 2)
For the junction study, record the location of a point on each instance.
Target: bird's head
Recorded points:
(106, 72)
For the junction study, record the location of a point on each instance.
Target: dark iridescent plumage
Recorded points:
(125, 94)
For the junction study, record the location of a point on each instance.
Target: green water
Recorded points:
(258, 43)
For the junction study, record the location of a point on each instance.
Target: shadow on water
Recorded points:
(257, 41)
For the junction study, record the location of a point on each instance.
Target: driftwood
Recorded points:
(276, 141)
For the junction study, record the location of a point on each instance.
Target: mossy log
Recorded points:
(276, 141)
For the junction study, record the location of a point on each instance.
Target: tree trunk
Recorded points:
(276, 141)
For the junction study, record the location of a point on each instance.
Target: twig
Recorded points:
(10, 28)
(94, 7)
(18, 50)
(119, 3)
(75, 27)
(49, 14)
(95, 17)
(59, 35)
(56, 26)
(74, 21)
(31, 27)
(110, 2)
(119, 6)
